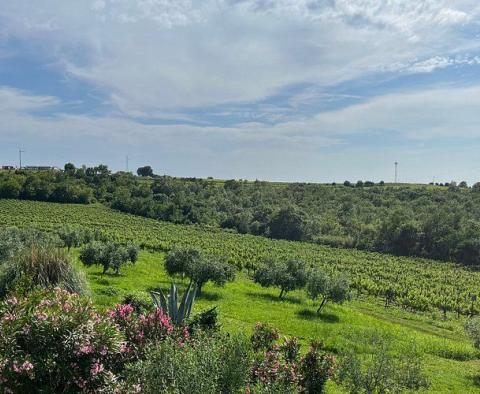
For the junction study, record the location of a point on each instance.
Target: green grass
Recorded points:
(450, 360)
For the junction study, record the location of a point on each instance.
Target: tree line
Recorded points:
(426, 221)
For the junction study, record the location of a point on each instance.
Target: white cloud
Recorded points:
(151, 56)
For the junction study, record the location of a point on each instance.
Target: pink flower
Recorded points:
(27, 366)
(41, 316)
(86, 349)
(96, 369)
(9, 317)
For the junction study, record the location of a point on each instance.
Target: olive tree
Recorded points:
(287, 276)
(327, 288)
(180, 261)
(199, 269)
(109, 255)
(211, 269)
(71, 236)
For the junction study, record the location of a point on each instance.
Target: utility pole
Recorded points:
(396, 172)
(20, 157)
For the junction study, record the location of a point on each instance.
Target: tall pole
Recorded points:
(396, 172)
(127, 163)
(20, 157)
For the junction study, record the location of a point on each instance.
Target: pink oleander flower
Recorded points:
(9, 317)
(41, 316)
(96, 368)
(123, 348)
(85, 349)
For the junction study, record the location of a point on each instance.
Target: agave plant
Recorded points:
(178, 313)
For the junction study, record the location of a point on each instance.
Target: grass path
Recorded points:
(451, 362)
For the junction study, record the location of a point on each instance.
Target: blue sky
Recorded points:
(295, 90)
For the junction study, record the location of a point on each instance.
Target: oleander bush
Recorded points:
(54, 341)
(280, 368)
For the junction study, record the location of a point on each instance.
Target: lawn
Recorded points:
(451, 361)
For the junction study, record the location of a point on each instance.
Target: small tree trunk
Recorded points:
(281, 293)
(324, 301)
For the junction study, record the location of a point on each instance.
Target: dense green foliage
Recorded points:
(425, 221)
(416, 284)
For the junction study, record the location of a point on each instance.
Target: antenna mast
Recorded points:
(20, 157)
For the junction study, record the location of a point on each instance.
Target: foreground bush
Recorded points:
(207, 365)
(387, 368)
(44, 266)
(56, 342)
(279, 368)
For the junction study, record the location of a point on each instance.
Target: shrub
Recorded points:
(280, 369)
(41, 265)
(384, 369)
(472, 327)
(218, 364)
(316, 367)
(287, 276)
(140, 330)
(264, 337)
(141, 304)
(12, 240)
(205, 321)
(53, 341)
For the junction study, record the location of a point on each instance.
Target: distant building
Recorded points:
(39, 168)
(7, 168)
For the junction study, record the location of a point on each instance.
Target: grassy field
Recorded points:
(451, 362)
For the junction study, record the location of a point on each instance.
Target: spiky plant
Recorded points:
(178, 312)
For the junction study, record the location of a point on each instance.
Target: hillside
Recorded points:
(429, 221)
(450, 359)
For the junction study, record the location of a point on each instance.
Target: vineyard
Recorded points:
(412, 283)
